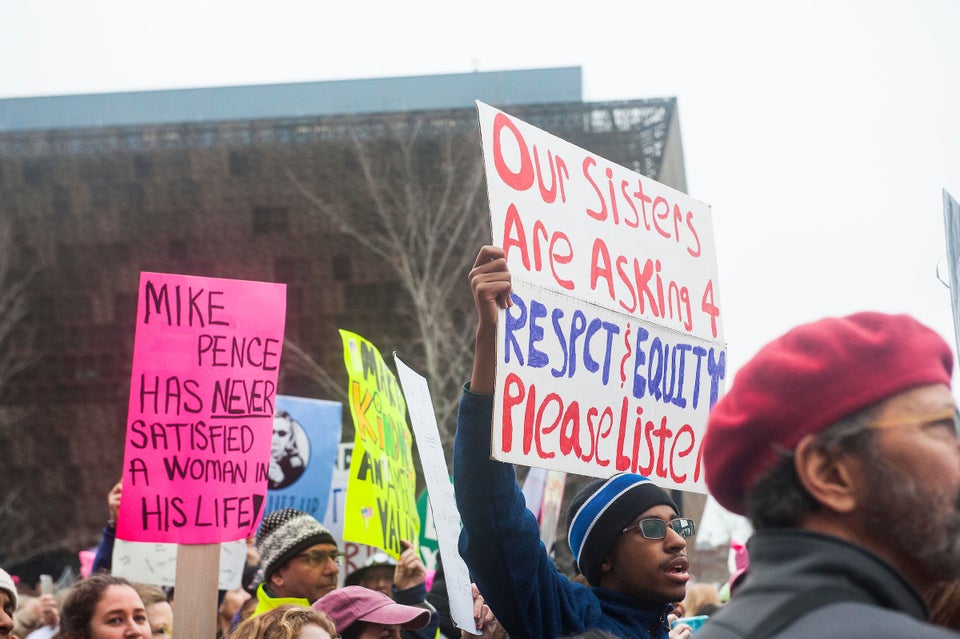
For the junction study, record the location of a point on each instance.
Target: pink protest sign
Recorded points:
(200, 418)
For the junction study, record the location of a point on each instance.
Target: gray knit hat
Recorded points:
(283, 534)
(6, 583)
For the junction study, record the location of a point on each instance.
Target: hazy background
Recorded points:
(821, 133)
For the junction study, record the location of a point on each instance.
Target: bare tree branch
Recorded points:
(302, 362)
(416, 202)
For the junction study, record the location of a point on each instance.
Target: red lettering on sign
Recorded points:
(552, 427)
(522, 179)
(559, 250)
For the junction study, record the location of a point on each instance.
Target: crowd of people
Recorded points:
(838, 440)
(291, 593)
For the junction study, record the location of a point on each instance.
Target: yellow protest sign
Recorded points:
(381, 506)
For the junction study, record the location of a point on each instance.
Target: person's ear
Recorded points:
(276, 579)
(606, 565)
(831, 476)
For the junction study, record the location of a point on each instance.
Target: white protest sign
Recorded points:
(355, 554)
(156, 563)
(532, 489)
(543, 492)
(446, 517)
(550, 509)
(612, 353)
(951, 222)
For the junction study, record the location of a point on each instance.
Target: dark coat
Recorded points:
(501, 546)
(786, 562)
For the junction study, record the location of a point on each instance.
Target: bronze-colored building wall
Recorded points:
(90, 209)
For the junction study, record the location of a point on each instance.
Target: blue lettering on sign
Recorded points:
(577, 344)
(535, 358)
(665, 367)
(581, 339)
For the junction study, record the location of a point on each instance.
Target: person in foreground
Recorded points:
(839, 441)
(103, 607)
(624, 531)
(288, 621)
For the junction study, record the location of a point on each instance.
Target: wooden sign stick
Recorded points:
(195, 597)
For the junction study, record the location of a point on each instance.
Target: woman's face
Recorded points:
(119, 615)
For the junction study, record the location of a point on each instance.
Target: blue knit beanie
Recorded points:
(601, 510)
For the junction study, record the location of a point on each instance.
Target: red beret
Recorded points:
(808, 379)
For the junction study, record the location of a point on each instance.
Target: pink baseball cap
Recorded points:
(350, 604)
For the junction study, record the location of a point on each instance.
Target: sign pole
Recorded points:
(198, 570)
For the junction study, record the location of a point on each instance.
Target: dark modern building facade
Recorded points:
(221, 182)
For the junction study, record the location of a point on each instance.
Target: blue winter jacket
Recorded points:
(500, 543)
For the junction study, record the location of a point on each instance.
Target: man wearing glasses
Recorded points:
(839, 441)
(299, 560)
(625, 533)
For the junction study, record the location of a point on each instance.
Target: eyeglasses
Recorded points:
(947, 421)
(319, 557)
(653, 528)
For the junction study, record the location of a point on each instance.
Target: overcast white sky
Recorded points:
(820, 132)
